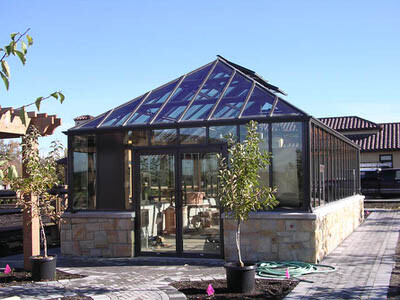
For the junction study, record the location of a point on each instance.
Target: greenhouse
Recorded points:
(143, 176)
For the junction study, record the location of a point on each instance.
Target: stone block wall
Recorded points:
(101, 234)
(294, 236)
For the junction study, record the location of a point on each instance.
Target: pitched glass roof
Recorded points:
(218, 90)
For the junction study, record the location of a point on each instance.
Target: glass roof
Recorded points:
(218, 90)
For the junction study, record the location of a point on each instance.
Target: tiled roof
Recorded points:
(386, 139)
(349, 123)
(83, 118)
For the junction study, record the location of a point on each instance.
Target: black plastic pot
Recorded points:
(43, 268)
(240, 279)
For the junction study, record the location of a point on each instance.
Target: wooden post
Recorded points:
(30, 224)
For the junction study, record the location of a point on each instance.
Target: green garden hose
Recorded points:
(275, 269)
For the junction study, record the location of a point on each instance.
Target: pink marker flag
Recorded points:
(368, 212)
(287, 274)
(7, 270)
(210, 290)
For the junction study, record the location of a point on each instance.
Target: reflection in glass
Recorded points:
(217, 134)
(128, 188)
(193, 135)
(157, 203)
(84, 172)
(209, 93)
(259, 104)
(119, 115)
(282, 108)
(163, 137)
(151, 105)
(287, 162)
(96, 121)
(200, 210)
(182, 96)
(233, 99)
(137, 138)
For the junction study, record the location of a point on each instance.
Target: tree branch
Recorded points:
(15, 42)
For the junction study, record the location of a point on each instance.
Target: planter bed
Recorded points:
(263, 289)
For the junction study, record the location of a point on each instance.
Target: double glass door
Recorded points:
(177, 204)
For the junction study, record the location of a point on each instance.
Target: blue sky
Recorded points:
(332, 57)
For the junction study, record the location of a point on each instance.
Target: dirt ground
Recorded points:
(264, 289)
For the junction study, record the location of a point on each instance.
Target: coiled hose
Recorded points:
(275, 269)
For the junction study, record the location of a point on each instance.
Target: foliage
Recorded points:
(239, 188)
(17, 39)
(10, 151)
(41, 177)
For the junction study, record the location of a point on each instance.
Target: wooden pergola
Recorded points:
(11, 126)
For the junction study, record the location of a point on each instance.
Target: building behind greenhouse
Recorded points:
(143, 176)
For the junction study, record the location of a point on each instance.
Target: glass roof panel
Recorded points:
(209, 93)
(96, 121)
(119, 115)
(152, 104)
(259, 104)
(282, 108)
(182, 96)
(233, 99)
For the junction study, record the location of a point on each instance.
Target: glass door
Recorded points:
(177, 208)
(201, 232)
(157, 229)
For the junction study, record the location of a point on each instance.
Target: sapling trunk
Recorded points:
(238, 244)
(43, 236)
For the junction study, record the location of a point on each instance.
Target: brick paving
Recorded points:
(364, 262)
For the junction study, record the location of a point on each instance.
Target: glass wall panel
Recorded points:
(259, 104)
(164, 137)
(95, 122)
(233, 99)
(157, 203)
(217, 134)
(287, 162)
(182, 96)
(84, 172)
(193, 135)
(151, 105)
(209, 93)
(137, 138)
(282, 108)
(119, 115)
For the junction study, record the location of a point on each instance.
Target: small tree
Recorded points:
(41, 177)
(240, 191)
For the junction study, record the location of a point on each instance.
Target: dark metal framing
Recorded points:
(176, 151)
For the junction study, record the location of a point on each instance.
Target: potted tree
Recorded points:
(33, 194)
(240, 193)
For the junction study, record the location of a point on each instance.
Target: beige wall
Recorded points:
(295, 236)
(366, 157)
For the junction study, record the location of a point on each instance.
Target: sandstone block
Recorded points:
(100, 239)
(86, 244)
(79, 220)
(78, 232)
(96, 252)
(122, 250)
(93, 226)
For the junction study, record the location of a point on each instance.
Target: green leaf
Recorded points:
(12, 35)
(13, 47)
(55, 95)
(5, 79)
(5, 68)
(24, 49)
(37, 102)
(62, 97)
(30, 40)
(22, 115)
(12, 172)
(21, 56)
(8, 49)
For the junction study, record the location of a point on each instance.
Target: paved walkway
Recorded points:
(364, 262)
